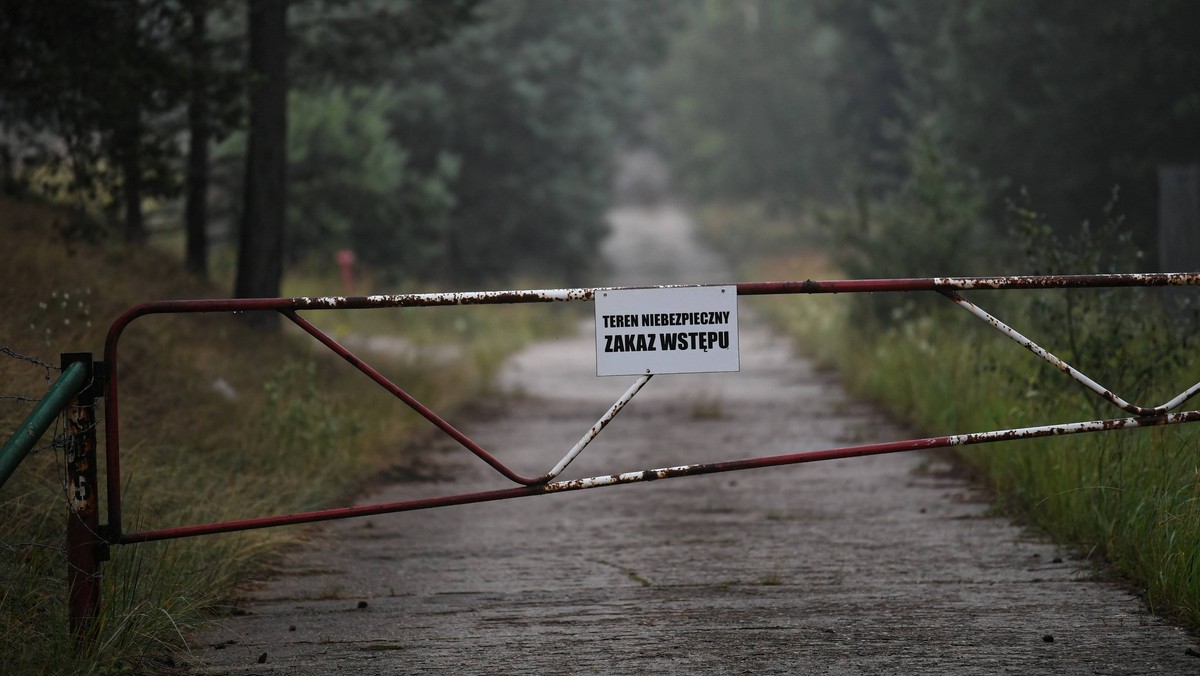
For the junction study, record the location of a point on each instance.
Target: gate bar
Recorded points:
(452, 431)
(1104, 392)
(408, 399)
(663, 473)
(85, 548)
(288, 307)
(600, 425)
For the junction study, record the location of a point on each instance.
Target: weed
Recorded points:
(772, 580)
(706, 406)
(628, 572)
(380, 647)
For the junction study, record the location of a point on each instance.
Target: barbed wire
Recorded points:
(20, 541)
(32, 360)
(59, 440)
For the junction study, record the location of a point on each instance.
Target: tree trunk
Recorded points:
(1179, 233)
(128, 139)
(260, 248)
(200, 133)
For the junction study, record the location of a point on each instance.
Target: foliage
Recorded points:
(865, 85)
(932, 226)
(520, 115)
(1132, 341)
(477, 150)
(336, 43)
(92, 93)
(437, 138)
(1067, 99)
(352, 185)
(741, 108)
(1132, 496)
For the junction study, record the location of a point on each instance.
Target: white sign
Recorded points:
(691, 329)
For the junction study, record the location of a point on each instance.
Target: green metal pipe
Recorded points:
(73, 378)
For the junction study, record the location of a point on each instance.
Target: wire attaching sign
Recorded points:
(691, 329)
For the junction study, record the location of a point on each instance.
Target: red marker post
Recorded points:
(345, 261)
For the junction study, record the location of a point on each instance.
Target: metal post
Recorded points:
(41, 418)
(85, 548)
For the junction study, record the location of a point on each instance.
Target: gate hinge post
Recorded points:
(85, 548)
(103, 551)
(97, 373)
(99, 379)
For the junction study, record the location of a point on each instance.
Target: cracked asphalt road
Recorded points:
(887, 564)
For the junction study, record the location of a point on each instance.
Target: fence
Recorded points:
(88, 541)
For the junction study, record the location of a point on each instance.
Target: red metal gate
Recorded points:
(949, 287)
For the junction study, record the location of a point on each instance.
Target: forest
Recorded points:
(443, 141)
(470, 141)
(956, 113)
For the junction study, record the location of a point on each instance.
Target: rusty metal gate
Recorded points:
(88, 541)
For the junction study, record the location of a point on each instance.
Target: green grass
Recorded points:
(304, 432)
(1128, 500)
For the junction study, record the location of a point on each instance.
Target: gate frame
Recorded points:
(96, 539)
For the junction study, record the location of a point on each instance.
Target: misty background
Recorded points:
(463, 143)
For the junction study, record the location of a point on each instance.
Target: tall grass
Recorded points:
(1128, 500)
(217, 422)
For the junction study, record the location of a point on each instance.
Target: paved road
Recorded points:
(889, 564)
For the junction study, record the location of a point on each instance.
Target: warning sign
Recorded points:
(690, 329)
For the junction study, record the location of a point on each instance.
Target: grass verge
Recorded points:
(218, 422)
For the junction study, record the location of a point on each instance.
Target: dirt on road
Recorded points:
(888, 564)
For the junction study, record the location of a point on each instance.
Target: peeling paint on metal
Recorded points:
(596, 429)
(1104, 392)
(1068, 281)
(539, 485)
(479, 297)
(665, 473)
